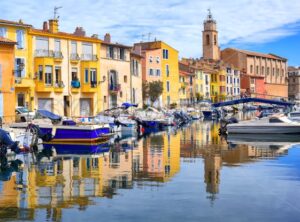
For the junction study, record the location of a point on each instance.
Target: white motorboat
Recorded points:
(277, 124)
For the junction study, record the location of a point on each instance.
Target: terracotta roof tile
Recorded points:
(270, 56)
(14, 23)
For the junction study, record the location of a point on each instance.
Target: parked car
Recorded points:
(23, 114)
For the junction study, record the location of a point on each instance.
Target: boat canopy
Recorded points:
(248, 100)
(128, 105)
(48, 114)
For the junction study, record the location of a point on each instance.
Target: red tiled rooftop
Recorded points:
(14, 23)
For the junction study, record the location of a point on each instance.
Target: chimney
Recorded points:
(79, 31)
(45, 26)
(53, 25)
(107, 38)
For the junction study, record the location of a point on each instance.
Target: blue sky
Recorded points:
(262, 25)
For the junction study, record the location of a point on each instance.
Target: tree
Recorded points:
(145, 90)
(155, 90)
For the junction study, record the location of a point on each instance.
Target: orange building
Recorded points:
(7, 94)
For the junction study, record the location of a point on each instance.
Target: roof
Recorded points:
(116, 44)
(133, 53)
(62, 34)
(153, 45)
(20, 23)
(6, 41)
(258, 54)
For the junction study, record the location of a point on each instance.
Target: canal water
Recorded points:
(189, 174)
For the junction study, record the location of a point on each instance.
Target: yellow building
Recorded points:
(23, 70)
(66, 70)
(168, 71)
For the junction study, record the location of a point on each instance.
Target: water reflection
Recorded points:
(41, 185)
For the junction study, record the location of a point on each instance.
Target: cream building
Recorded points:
(115, 73)
(136, 77)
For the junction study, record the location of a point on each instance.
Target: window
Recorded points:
(268, 70)
(150, 59)
(93, 77)
(74, 74)
(18, 63)
(167, 70)
(251, 68)
(21, 99)
(158, 72)
(165, 53)
(86, 75)
(207, 40)
(157, 59)
(48, 75)
(273, 71)
(110, 52)
(20, 39)
(257, 70)
(57, 45)
(122, 54)
(151, 72)
(3, 31)
(87, 51)
(42, 44)
(168, 86)
(215, 39)
(125, 79)
(74, 47)
(262, 70)
(40, 73)
(252, 81)
(104, 99)
(57, 74)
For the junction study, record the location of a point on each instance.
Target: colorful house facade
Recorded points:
(66, 70)
(115, 73)
(7, 84)
(160, 62)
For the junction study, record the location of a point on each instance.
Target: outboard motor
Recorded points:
(36, 134)
(224, 123)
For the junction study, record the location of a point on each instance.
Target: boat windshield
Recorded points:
(295, 114)
(23, 110)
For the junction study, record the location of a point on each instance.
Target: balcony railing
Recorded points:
(43, 53)
(59, 84)
(74, 56)
(89, 57)
(58, 55)
(75, 84)
(114, 87)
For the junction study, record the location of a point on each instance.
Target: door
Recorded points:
(85, 107)
(46, 104)
(66, 106)
(21, 99)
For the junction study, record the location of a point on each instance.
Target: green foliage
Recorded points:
(155, 90)
(199, 96)
(145, 90)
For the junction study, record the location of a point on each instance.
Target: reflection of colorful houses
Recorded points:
(161, 157)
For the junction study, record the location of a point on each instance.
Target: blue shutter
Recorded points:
(3, 32)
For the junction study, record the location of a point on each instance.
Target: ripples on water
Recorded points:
(186, 175)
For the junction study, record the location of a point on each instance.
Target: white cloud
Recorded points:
(178, 22)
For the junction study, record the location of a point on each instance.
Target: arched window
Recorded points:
(215, 39)
(207, 39)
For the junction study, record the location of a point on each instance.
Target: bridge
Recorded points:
(248, 100)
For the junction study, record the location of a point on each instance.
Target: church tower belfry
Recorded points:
(210, 41)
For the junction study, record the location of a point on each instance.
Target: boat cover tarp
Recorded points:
(248, 100)
(48, 114)
(127, 105)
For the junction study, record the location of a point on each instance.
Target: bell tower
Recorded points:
(210, 41)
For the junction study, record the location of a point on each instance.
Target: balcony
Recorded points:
(114, 88)
(59, 87)
(41, 86)
(89, 87)
(43, 53)
(75, 86)
(58, 56)
(74, 58)
(89, 57)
